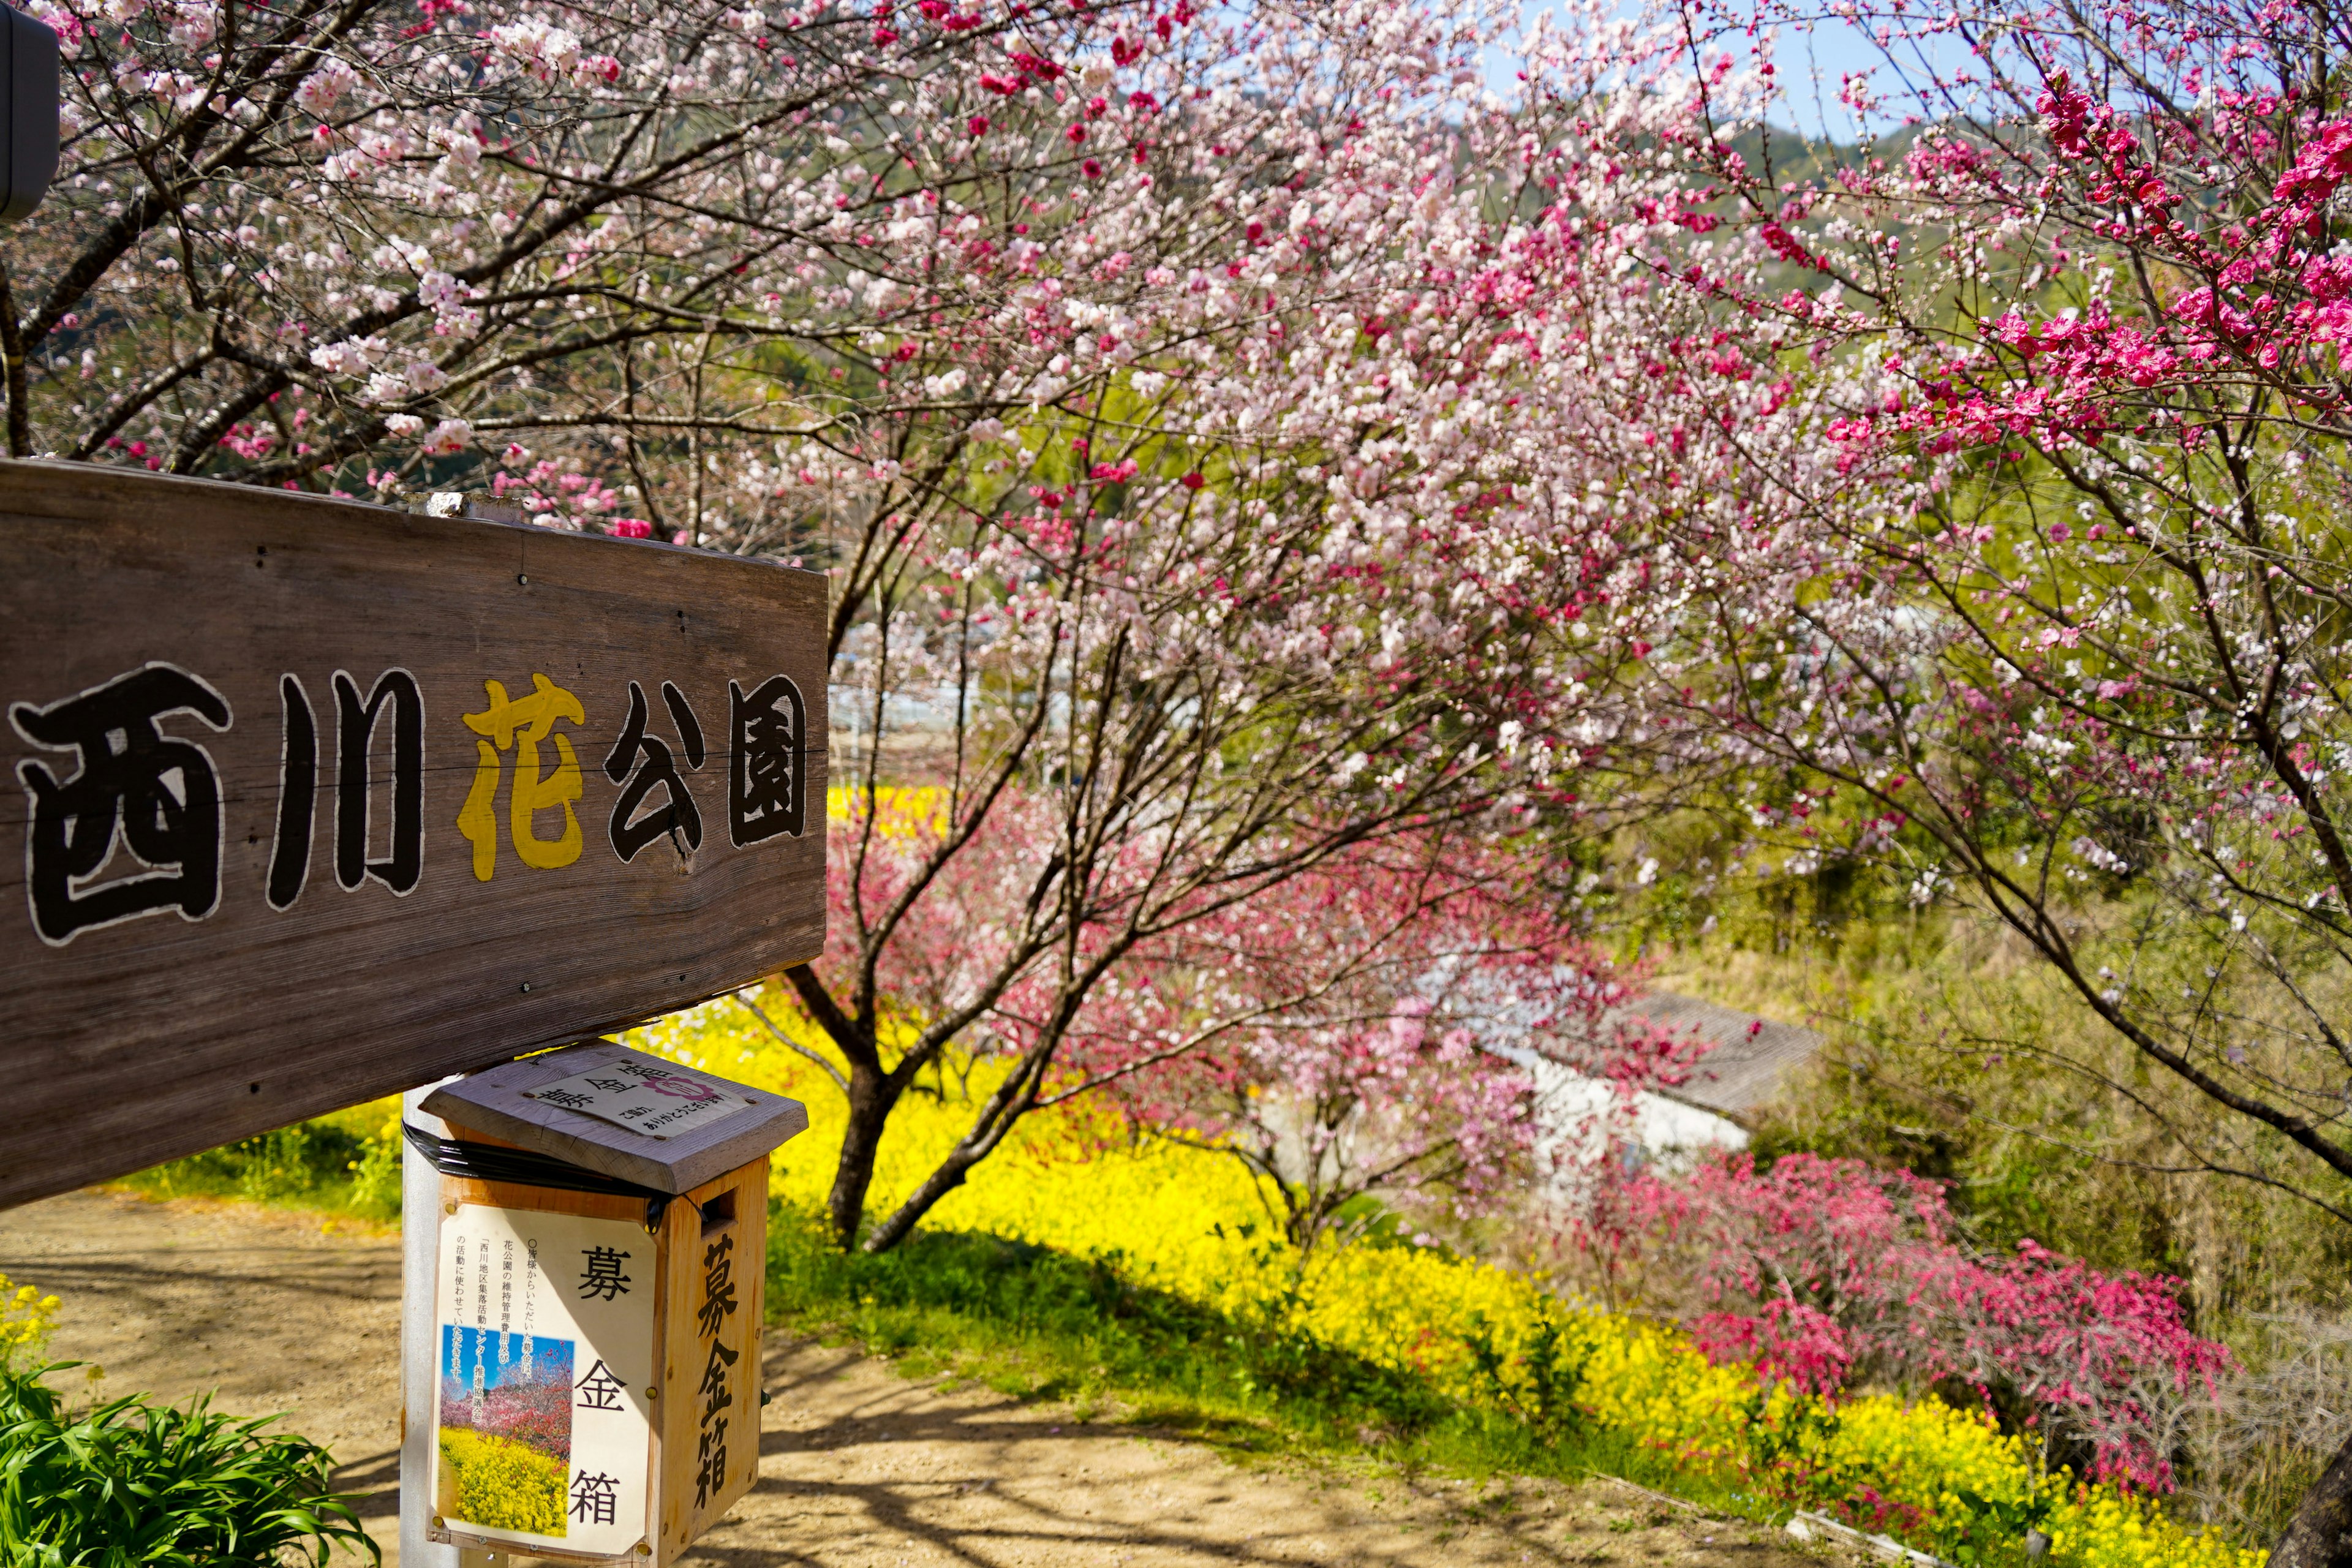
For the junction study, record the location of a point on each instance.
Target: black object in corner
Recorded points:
(28, 116)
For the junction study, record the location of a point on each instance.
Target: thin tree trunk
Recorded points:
(871, 1099)
(2321, 1533)
(12, 368)
(936, 1185)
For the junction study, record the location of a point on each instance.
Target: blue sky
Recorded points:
(460, 1347)
(1811, 60)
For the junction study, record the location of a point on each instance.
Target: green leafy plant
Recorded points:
(131, 1484)
(128, 1482)
(1552, 1371)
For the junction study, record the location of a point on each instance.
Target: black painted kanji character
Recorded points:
(711, 1462)
(298, 795)
(593, 1498)
(680, 819)
(297, 786)
(603, 1275)
(600, 1390)
(716, 1395)
(570, 1097)
(354, 731)
(768, 768)
(160, 794)
(717, 1285)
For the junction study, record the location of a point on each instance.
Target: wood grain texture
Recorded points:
(162, 1034)
(683, 1508)
(493, 1102)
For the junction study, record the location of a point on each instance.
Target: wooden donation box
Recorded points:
(601, 1252)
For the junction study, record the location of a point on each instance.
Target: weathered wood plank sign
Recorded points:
(313, 801)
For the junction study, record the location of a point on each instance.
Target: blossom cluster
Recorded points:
(26, 1318)
(1826, 1274)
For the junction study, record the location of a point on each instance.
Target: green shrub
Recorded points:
(130, 1484)
(347, 1162)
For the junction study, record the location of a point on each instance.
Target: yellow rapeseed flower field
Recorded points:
(504, 1485)
(1190, 1222)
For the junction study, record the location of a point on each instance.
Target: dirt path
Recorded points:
(859, 1468)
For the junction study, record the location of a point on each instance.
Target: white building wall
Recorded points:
(1574, 1114)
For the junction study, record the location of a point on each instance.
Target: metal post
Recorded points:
(420, 1203)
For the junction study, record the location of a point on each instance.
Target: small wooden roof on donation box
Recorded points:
(623, 1113)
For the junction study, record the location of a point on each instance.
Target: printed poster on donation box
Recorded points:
(542, 1426)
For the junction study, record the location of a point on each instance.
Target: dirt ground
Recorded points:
(859, 1466)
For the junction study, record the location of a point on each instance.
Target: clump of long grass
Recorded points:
(126, 1482)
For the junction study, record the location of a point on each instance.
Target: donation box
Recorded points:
(598, 1291)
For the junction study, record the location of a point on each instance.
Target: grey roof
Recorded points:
(1752, 1056)
(497, 1101)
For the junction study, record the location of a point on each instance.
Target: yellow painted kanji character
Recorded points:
(522, 723)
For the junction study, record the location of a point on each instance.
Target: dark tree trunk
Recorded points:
(936, 1185)
(871, 1097)
(2321, 1533)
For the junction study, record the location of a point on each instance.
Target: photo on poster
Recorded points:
(506, 1427)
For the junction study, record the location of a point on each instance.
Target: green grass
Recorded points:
(337, 1165)
(1039, 1324)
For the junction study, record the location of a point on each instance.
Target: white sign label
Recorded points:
(651, 1098)
(541, 1423)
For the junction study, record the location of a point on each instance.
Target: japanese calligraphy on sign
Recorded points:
(427, 792)
(644, 1097)
(157, 798)
(717, 1393)
(543, 1410)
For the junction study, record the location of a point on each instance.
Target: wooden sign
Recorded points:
(314, 801)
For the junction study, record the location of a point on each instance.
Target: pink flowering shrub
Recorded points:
(1828, 1274)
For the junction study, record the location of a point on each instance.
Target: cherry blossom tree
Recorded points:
(1308, 499)
(1236, 438)
(2082, 641)
(2070, 648)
